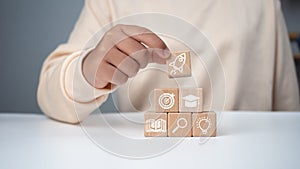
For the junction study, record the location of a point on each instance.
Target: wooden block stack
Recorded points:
(179, 112)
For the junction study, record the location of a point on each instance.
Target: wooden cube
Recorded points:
(179, 64)
(179, 124)
(191, 100)
(166, 100)
(204, 124)
(155, 124)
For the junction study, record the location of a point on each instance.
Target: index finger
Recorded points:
(145, 36)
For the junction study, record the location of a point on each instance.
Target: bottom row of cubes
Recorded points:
(180, 124)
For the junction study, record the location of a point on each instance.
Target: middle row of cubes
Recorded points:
(174, 100)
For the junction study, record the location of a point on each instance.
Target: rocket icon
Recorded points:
(178, 63)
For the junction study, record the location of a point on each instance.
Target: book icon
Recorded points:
(159, 125)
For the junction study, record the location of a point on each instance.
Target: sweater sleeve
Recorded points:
(63, 92)
(285, 91)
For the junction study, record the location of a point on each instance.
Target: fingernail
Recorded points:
(164, 54)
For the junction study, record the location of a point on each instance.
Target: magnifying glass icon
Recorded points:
(181, 123)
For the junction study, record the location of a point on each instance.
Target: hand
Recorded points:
(120, 54)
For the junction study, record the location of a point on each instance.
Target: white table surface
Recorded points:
(244, 140)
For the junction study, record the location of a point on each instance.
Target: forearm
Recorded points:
(63, 93)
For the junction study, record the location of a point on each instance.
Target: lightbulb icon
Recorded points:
(204, 123)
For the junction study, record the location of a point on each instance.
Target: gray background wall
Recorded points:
(31, 29)
(291, 10)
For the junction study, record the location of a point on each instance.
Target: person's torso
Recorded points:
(232, 51)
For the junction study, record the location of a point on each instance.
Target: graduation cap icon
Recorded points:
(191, 101)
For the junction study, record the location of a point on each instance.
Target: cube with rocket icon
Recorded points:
(179, 64)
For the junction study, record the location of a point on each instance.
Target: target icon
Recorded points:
(166, 100)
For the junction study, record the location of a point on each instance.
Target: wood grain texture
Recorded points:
(204, 124)
(155, 124)
(166, 100)
(179, 64)
(191, 100)
(179, 124)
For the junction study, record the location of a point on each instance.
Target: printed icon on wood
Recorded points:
(179, 64)
(155, 124)
(166, 100)
(179, 124)
(204, 124)
(190, 100)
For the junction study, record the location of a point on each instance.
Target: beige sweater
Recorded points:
(245, 62)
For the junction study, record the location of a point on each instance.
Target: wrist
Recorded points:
(90, 66)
